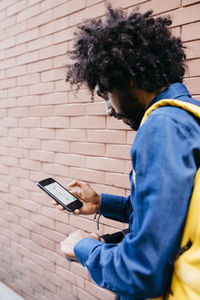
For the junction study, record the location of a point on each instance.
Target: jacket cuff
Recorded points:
(83, 249)
(111, 206)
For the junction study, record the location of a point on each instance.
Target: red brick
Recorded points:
(68, 8)
(185, 15)
(32, 226)
(4, 187)
(53, 235)
(16, 71)
(98, 291)
(29, 205)
(80, 96)
(42, 220)
(71, 134)
(189, 2)
(41, 111)
(158, 6)
(83, 224)
(53, 51)
(70, 110)
(63, 35)
(57, 146)
(13, 9)
(40, 66)
(29, 78)
(42, 133)
(119, 180)
(8, 63)
(40, 19)
(53, 75)
(60, 61)
(55, 98)
(92, 149)
(35, 268)
(42, 155)
(113, 123)
(193, 85)
(92, 2)
(55, 169)
(30, 165)
(118, 151)
(191, 31)
(108, 136)
(18, 132)
(42, 241)
(41, 88)
(9, 122)
(18, 91)
(192, 49)
(28, 13)
(42, 261)
(16, 28)
(8, 22)
(70, 159)
(20, 231)
(96, 108)
(29, 122)
(54, 26)
(88, 122)
(20, 249)
(106, 164)
(27, 58)
(55, 122)
(193, 68)
(3, 132)
(27, 243)
(28, 35)
(50, 4)
(9, 161)
(39, 43)
(6, 43)
(56, 214)
(130, 136)
(9, 141)
(95, 11)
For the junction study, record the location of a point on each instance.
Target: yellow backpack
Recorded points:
(185, 284)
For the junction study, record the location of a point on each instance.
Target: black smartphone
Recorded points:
(61, 195)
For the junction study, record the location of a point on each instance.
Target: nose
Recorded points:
(110, 108)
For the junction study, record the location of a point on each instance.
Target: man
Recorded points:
(132, 62)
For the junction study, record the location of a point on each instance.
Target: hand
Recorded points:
(83, 191)
(67, 246)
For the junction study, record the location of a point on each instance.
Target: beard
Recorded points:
(131, 109)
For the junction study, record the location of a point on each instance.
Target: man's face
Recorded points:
(125, 106)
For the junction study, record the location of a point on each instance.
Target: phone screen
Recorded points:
(60, 193)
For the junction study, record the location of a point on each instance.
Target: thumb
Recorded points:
(95, 236)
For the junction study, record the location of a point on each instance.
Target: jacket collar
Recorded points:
(173, 91)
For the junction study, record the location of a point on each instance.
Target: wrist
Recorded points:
(98, 202)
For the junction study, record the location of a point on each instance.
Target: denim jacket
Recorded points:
(165, 157)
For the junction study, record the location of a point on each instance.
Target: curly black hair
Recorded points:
(137, 47)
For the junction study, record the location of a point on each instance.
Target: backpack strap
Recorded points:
(189, 107)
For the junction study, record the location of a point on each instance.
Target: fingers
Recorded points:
(57, 205)
(75, 183)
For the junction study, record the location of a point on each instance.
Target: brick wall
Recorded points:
(47, 130)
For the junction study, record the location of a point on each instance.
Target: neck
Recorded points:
(145, 97)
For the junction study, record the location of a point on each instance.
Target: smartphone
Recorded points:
(61, 195)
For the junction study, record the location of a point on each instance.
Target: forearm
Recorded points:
(115, 207)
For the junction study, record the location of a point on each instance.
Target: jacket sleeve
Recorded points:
(115, 207)
(165, 170)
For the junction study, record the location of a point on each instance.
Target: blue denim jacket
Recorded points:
(165, 156)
